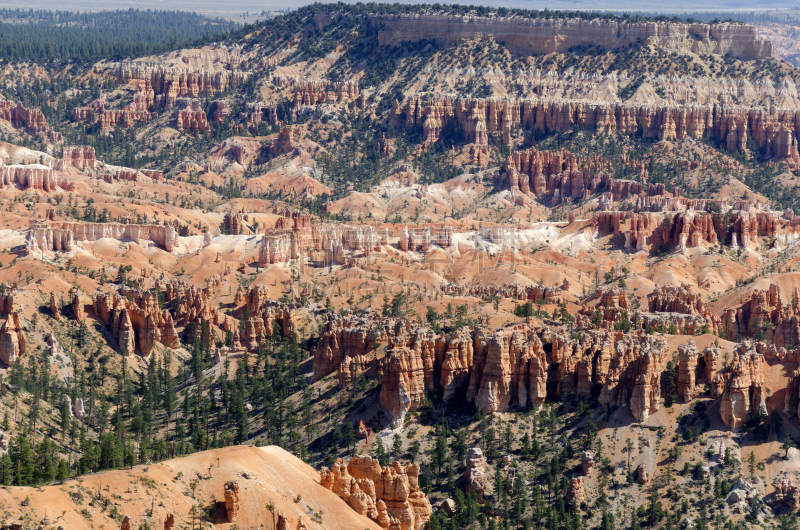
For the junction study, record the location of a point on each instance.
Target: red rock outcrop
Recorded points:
(587, 463)
(286, 141)
(135, 318)
(688, 357)
(159, 86)
(310, 93)
(785, 493)
(534, 293)
(32, 119)
(621, 368)
(365, 485)
(266, 317)
(681, 300)
(743, 387)
(61, 235)
(765, 317)
(54, 307)
(575, 492)
(352, 339)
(611, 303)
(192, 119)
(232, 501)
(33, 176)
(774, 132)
(79, 157)
(12, 339)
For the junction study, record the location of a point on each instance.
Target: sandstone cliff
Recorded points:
(546, 35)
(388, 495)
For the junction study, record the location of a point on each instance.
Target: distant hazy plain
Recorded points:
(234, 10)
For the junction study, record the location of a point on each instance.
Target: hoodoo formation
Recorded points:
(399, 267)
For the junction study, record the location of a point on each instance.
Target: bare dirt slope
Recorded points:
(264, 474)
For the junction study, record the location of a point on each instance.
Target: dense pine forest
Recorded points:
(59, 37)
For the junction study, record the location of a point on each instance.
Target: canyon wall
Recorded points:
(60, 236)
(389, 495)
(159, 86)
(33, 176)
(774, 132)
(538, 36)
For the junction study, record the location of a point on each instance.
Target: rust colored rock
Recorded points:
(362, 431)
(59, 236)
(364, 485)
(575, 492)
(785, 493)
(77, 308)
(621, 364)
(283, 522)
(232, 500)
(169, 521)
(688, 355)
(192, 119)
(54, 311)
(126, 523)
(743, 392)
(12, 339)
(641, 474)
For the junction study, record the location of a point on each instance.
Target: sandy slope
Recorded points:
(271, 472)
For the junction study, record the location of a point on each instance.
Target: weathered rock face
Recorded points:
(575, 492)
(310, 93)
(134, 317)
(611, 305)
(680, 300)
(535, 293)
(765, 317)
(475, 473)
(169, 521)
(773, 133)
(77, 308)
(61, 236)
(388, 495)
(12, 339)
(283, 522)
(352, 339)
(286, 141)
(407, 372)
(232, 501)
(159, 86)
(539, 36)
(32, 119)
(641, 474)
(266, 317)
(743, 392)
(587, 463)
(79, 157)
(192, 119)
(620, 368)
(33, 176)
(54, 307)
(126, 523)
(687, 368)
(785, 493)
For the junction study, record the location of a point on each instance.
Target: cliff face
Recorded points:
(542, 36)
(512, 368)
(60, 236)
(388, 495)
(33, 176)
(774, 132)
(135, 318)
